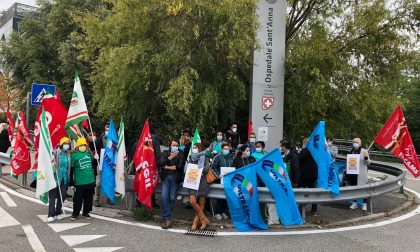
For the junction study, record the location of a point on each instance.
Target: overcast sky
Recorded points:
(5, 4)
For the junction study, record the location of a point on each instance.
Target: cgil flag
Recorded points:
(120, 163)
(317, 146)
(272, 170)
(395, 137)
(108, 170)
(45, 172)
(242, 197)
(146, 176)
(11, 129)
(21, 159)
(77, 111)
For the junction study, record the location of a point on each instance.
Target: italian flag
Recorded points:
(120, 164)
(77, 111)
(45, 172)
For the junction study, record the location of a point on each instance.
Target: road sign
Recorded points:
(268, 72)
(38, 92)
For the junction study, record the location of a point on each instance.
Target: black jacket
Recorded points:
(234, 137)
(292, 159)
(308, 168)
(240, 162)
(178, 161)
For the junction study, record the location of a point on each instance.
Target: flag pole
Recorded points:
(94, 144)
(61, 196)
(370, 146)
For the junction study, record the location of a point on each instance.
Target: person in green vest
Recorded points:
(259, 150)
(82, 178)
(216, 146)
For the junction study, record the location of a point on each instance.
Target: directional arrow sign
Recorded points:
(266, 118)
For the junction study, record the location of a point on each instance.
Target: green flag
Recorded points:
(195, 140)
(77, 111)
(45, 172)
(120, 164)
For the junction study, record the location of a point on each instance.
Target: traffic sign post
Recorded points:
(38, 92)
(267, 97)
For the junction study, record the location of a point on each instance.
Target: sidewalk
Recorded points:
(329, 215)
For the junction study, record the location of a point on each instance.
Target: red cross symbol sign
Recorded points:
(267, 102)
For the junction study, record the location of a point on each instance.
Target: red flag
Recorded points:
(249, 128)
(85, 124)
(394, 136)
(11, 128)
(21, 160)
(146, 177)
(56, 115)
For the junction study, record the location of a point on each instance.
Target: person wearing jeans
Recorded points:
(172, 167)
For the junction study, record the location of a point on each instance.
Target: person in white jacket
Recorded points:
(362, 177)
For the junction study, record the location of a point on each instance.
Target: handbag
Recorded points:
(210, 178)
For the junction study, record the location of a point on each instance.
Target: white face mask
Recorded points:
(356, 146)
(195, 150)
(234, 130)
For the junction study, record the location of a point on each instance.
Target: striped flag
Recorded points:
(77, 111)
(45, 172)
(120, 164)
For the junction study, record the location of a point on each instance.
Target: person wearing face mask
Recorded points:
(308, 173)
(332, 149)
(199, 158)
(259, 150)
(244, 157)
(171, 164)
(362, 178)
(62, 165)
(82, 178)
(225, 159)
(216, 146)
(104, 135)
(233, 136)
(252, 142)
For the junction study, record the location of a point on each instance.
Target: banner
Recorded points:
(327, 175)
(353, 164)
(21, 159)
(272, 170)
(108, 170)
(77, 111)
(45, 172)
(395, 137)
(242, 198)
(146, 176)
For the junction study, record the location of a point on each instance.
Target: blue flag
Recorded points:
(108, 164)
(272, 170)
(242, 198)
(327, 174)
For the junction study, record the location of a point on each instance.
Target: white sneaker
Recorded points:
(353, 205)
(60, 217)
(50, 219)
(225, 216)
(364, 207)
(218, 217)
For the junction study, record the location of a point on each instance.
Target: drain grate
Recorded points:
(205, 232)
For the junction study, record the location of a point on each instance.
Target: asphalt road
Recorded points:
(21, 229)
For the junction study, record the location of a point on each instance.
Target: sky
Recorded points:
(5, 4)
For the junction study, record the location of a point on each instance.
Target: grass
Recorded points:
(142, 214)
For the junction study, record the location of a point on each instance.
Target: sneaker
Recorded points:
(59, 217)
(353, 205)
(218, 217)
(225, 216)
(73, 218)
(364, 207)
(50, 219)
(86, 216)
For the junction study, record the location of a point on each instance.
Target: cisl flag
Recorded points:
(394, 136)
(146, 177)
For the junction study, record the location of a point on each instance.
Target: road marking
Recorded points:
(43, 217)
(60, 227)
(33, 238)
(266, 233)
(7, 199)
(98, 249)
(6, 220)
(73, 240)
